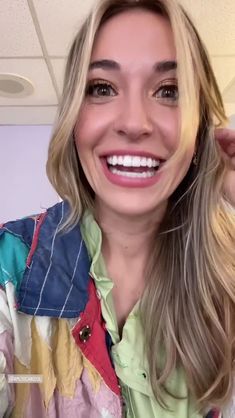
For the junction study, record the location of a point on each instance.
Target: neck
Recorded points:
(127, 240)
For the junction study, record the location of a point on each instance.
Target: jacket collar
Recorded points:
(55, 281)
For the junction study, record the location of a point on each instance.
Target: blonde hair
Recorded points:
(189, 302)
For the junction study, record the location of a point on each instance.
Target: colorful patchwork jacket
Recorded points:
(51, 326)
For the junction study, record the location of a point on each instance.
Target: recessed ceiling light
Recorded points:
(15, 86)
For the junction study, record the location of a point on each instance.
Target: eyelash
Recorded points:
(99, 84)
(167, 86)
(170, 86)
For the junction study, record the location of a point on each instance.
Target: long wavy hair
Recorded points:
(189, 302)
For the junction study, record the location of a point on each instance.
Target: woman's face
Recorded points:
(130, 120)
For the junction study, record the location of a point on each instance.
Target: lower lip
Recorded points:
(129, 181)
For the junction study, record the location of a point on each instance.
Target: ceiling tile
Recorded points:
(36, 70)
(215, 21)
(59, 21)
(59, 69)
(18, 35)
(44, 115)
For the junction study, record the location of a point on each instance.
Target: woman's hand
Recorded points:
(226, 139)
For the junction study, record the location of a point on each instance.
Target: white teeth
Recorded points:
(143, 162)
(110, 160)
(132, 161)
(127, 161)
(136, 161)
(115, 160)
(144, 175)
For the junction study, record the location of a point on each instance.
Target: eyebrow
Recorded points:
(105, 65)
(159, 67)
(164, 66)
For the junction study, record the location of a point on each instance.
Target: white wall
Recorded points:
(24, 187)
(232, 121)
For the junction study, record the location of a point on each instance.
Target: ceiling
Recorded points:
(35, 36)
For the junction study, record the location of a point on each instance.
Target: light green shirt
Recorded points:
(128, 353)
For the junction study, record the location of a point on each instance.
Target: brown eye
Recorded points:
(100, 90)
(168, 93)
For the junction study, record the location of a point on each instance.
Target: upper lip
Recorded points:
(132, 153)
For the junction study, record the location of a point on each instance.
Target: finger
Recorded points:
(230, 162)
(228, 148)
(225, 134)
(226, 139)
(233, 164)
(229, 186)
(231, 149)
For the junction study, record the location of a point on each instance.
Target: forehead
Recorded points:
(135, 35)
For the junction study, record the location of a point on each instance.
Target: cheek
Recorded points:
(92, 122)
(168, 123)
(83, 128)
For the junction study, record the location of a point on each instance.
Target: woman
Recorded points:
(125, 291)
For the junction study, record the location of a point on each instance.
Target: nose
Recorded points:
(134, 119)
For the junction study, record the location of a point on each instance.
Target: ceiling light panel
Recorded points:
(13, 85)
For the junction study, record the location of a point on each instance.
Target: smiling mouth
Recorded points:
(133, 166)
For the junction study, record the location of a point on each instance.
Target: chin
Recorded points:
(135, 208)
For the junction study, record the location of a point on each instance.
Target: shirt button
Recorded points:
(142, 374)
(85, 334)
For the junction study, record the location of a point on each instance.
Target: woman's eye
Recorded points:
(168, 93)
(100, 90)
